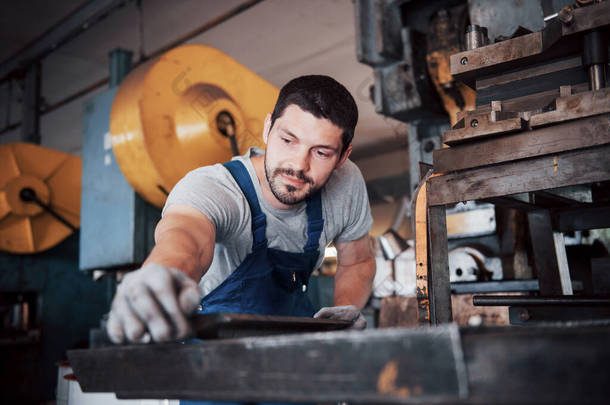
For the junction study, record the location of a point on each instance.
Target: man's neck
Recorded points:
(259, 167)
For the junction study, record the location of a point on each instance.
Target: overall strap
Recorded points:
(315, 222)
(259, 222)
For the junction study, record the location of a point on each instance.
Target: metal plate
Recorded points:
(372, 366)
(225, 325)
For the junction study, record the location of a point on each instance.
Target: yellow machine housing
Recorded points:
(55, 177)
(163, 119)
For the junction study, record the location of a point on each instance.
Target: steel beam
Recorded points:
(81, 19)
(440, 365)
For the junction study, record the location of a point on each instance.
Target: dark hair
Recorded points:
(323, 97)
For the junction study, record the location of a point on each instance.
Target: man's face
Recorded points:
(302, 151)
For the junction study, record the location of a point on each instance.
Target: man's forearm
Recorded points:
(353, 284)
(178, 251)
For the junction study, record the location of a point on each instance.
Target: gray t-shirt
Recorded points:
(213, 191)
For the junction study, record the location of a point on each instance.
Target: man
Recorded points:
(250, 232)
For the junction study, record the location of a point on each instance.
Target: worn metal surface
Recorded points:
(378, 28)
(582, 218)
(501, 365)
(545, 314)
(438, 273)
(225, 325)
(537, 365)
(538, 173)
(600, 275)
(424, 138)
(544, 252)
(392, 365)
(575, 106)
(117, 226)
(590, 132)
(403, 90)
(530, 48)
(495, 286)
(481, 126)
(503, 17)
(520, 300)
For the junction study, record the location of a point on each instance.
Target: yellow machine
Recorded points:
(178, 112)
(192, 106)
(39, 187)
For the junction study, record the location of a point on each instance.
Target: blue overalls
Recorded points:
(269, 281)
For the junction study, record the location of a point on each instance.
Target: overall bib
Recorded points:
(269, 281)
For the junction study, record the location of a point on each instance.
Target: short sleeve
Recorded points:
(354, 201)
(212, 191)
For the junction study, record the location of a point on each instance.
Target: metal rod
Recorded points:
(516, 300)
(9, 99)
(597, 76)
(29, 195)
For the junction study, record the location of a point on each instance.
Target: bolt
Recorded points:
(225, 123)
(428, 146)
(524, 315)
(27, 194)
(464, 61)
(474, 123)
(566, 16)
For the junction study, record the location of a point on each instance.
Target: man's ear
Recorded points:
(344, 157)
(267, 128)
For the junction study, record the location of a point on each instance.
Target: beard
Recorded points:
(287, 193)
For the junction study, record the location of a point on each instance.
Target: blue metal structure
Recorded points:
(117, 226)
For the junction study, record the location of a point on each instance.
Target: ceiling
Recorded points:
(277, 39)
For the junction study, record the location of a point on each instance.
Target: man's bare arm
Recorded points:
(154, 301)
(353, 282)
(184, 240)
(355, 272)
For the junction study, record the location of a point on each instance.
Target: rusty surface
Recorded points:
(537, 173)
(481, 126)
(372, 366)
(531, 48)
(583, 133)
(575, 106)
(495, 54)
(398, 312)
(227, 325)
(586, 18)
(528, 72)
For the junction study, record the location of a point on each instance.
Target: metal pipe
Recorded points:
(476, 37)
(597, 76)
(595, 57)
(96, 85)
(517, 300)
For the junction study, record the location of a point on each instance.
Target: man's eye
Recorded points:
(323, 154)
(286, 140)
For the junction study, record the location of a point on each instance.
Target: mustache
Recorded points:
(299, 175)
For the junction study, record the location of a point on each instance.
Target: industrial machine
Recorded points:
(192, 106)
(536, 142)
(39, 197)
(46, 305)
(514, 144)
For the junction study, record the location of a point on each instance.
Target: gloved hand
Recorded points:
(345, 313)
(152, 303)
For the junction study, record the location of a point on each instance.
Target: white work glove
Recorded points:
(152, 303)
(343, 313)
